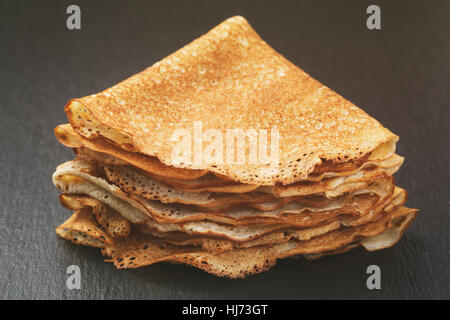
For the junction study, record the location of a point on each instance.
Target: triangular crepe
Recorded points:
(231, 78)
(330, 191)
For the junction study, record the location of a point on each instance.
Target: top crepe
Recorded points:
(230, 78)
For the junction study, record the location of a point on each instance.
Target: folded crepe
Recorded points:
(329, 190)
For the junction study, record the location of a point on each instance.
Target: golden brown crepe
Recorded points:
(230, 78)
(142, 249)
(330, 191)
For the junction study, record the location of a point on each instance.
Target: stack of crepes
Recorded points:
(332, 189)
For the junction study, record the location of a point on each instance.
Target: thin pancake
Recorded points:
(229, 76)
(76, 177)
(217, 245)
(208, 181)
(141, 250)
(114, 224)
(90, 150)
(316, 223)
(133, 181)
(81, 228)
(145, 250)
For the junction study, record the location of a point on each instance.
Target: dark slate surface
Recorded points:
(399, 75)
